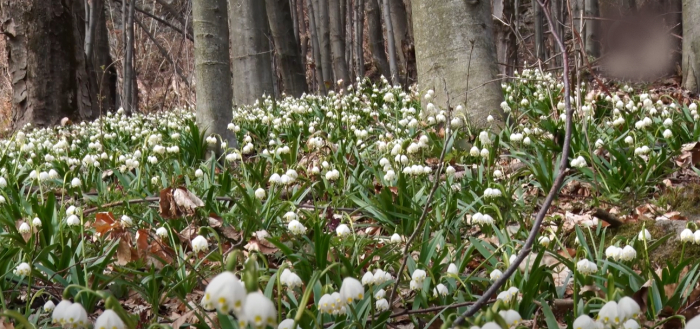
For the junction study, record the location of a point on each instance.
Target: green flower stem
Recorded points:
(307, 293)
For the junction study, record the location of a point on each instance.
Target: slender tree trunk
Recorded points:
(130, 88)
(304, 41)
(359, 39)
(691, 45)
(399, 24)
(340, 69)
(455, 50)
(101, 72)
(393, 66)
(286, 47)
(557, 12)
(592, 27)
(380, 63)
(539, 30)
(506, 45)
(251, 64)
(212, 69)
(324, 38)
(409, 49)
(295, 20)
(315, 48)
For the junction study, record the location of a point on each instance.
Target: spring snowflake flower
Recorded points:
(694, 323)
(505, 107)
(290, 279)
(287, 324)
(668, 133)
(325, 304)
(73, 220)
(586, 267)
(696, 237)
(49, 306)
(497, 173)
(389, 98)
(275, 178)
(367, 279)
(628, 253)
(390, 176)
(72, 210)
(290, 216)
(127, 221)
(440, 290)
(492, 193)
(613, 252)
(260, 193)
(296, 227)
(450, 170)
(59, 312)
(198, 173)
(452, 269)
(109, 320)
(489, 118)
(381, 293)
(484, 153)
(396, 238)
(3, 182)
(629, 140)
(226, 293)
(599, 143)
(75, 182)
(585, 322)
(75, 316)
(333, 175)
(495, 274)
(508, 295)
(162, 232)
(418, 276)
(474, 151)
(687, 235)
(511, 317)
(382, 305)
(23, 269)
(456, 122)
(628, 308)
(633, 324)
(544, 241)
(644, 235)
(342, 230)
(579, 162)
(2, 199)
(259, 310)
(414, 285)
(200, 243)
(351, 289)
(24, 228)
(609, 314)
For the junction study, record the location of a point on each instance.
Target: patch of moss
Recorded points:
(684, 199)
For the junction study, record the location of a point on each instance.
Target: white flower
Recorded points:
(367, 279)
(53, 174)
(296, 227)
(71, 210)
(351, 289)
(200, 243)
(75, 316)
(694, 323)
(381, 293)
(3, 182)
(260, 193)
(696, 237)
(452, 269)
(414, 285)
(390, 176)
(609, 314)
(511, 317)
(450, 170)
(290, 216)
(109, 320)
(527, 141)
(474, 151)
(489, 118)
(73, 220)
(259, 310)
(629, 140)
(198, 173)
(226, 293)
(23, 269)
(579, 162)
(628, 253)
(599, 143)
(456, 122)
(491, 325)
(585, 322)
(644, 235)
(75, 182)
(484, 153)
(342, 230)
(687, 235)
(544, 241)
(49, 306)
(382, 305)
(497, 173)
(2, 199)
(324, 304)
(290, 279)
(211, 140)
(418, 276)
(668, 123)
(389, 97)
(668, 133)
(275, 179)
(586, 267)
(59, 313)
(287, 324)
(440, 290)
(127, 221)
(628, 308)
(613, 252)
(24, 228)
(495, 274)
(396, 238)
(632, 324)
(162, 232)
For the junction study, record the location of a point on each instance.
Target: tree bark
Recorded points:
(359, 39)
(591, 33)
(399, 25)
(506, 43)
(380, 63)
(538, 22)
(391, 43)
(102, 72)
(323, 31)
(46, 61)
(315, 48)
(557, 10)
(340, 68)
(213, 69)
(129, 86)
(251, 64)
(691, 46)
(445, 33)
(286, 47)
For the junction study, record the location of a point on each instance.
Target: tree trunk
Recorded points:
(409, 49)
(380, 63)
(316, 49)
(506, 45)
(46, 61)
(286, 47)
(303, 40)
(454, 44)
(399, 24)
(359, 39)
(557, 11)
(340, 68)
(324, 38)
(102, 74)
(538, 23)
(212, 69)
(129, 86)
(391, 43)
(691, 45)
(251, 64)
(591, 33)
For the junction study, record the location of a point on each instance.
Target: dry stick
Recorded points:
(552, 192)
(162, 51)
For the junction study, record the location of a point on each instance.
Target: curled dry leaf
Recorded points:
(261, 245)
(178, 202)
